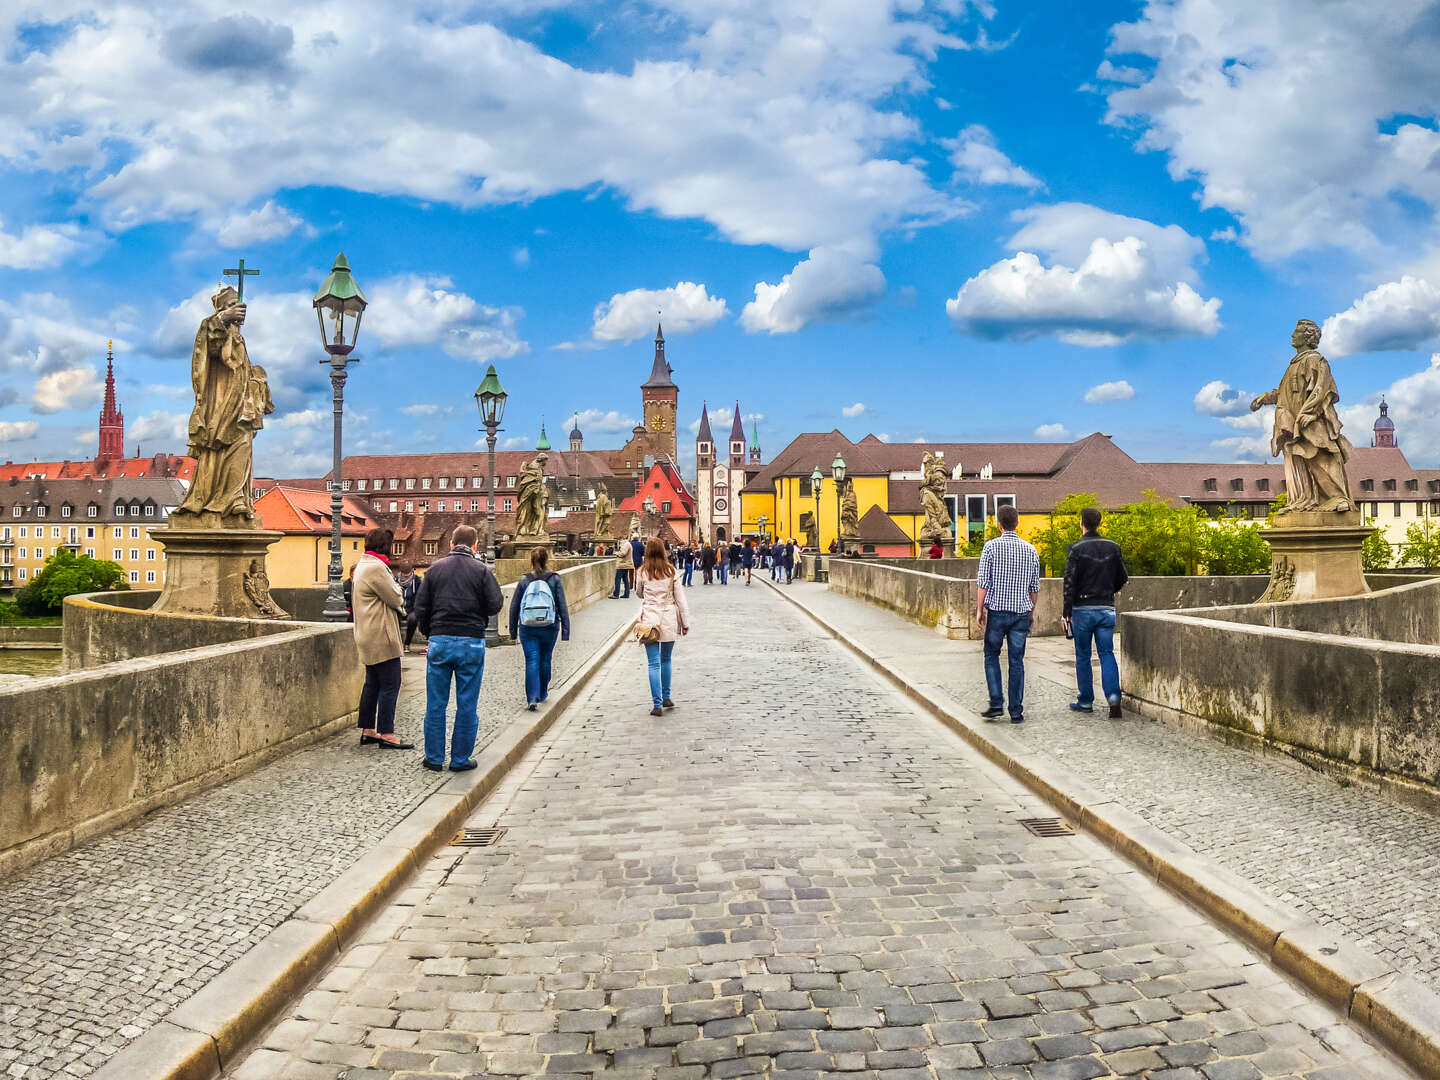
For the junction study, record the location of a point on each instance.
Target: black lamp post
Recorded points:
(817, 478)
(490, 397)
(339, 298)
(837, 470)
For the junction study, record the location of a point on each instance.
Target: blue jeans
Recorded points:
(1008, 628)
(538, 642)
(622, 579)
(1099, 623)
(724, 568)
(464, 658)
(689, 573)
(658, 654)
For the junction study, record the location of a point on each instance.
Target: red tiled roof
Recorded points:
(877, 527)
(302, 510)
(157, 466)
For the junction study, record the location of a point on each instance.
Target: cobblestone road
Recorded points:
(1343, 856)
(794, 874)
(98, 944)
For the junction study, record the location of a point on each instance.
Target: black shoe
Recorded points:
(386, 744)
(463, 768)
(531, 706)
(667, 703)
(366, 740)
(1115, 710)
(1017, 719)
(657, 711)
(432, 766)
(1075, 706)
(993, 713)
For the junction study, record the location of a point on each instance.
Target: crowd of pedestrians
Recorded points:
(719, 562)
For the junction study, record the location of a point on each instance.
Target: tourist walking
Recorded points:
(457, 597)
(378, 603)
(747, 559)
(624, 562)
(538, 615)
(735, 550)
(787, 560)
(664, 608)
(409, 586)
(707, 564)
(722, 563)
(1007, 584)
(687, 562)
(1094, 573)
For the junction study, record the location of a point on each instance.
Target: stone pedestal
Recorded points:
(217, 572)
(525, 544)
(1315, 556)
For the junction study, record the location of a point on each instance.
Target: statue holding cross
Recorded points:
(239, 273)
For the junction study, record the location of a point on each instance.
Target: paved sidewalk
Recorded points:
(1344, 857)
(98, 944)
(794, 874)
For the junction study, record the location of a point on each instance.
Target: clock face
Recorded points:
(721, 505)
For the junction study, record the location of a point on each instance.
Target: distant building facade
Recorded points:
(302, 556)
(721, 474)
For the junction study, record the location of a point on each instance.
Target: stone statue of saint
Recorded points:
(604, 511)
(532, 506)
(849, 511)
(1307, 429)
(932, 500)
(232, 396)
(807, 526)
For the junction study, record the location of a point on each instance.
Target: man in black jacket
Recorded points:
(456, 599)
(1094, 573)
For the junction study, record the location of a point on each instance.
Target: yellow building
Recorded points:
(302, 556)
(105, 518)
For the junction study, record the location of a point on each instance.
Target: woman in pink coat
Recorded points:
(662, 604)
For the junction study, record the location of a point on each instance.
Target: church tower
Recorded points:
(737, 440)
(704, 441)
(112, 420)
(660, 398)
(1384, 427)
(577, 438)
(754, 442)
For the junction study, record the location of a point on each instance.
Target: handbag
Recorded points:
(647, 634)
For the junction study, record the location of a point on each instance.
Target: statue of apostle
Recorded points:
(1307, 429)
(232, 396)
(532, 506)
(604, 511)
(932, 499)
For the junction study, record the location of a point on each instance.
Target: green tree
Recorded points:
(66, 573)
(1156, 538)
(1232, 546)
(1054, 540)
(1421, 546)
(1375, 552)
(973, 548)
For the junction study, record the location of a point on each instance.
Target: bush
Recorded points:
(66, 573)
(973, 548)
(1375, 552)
(30, 602)
(1232, 546)
(1421, 546)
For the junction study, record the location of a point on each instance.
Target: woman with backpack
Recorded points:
(538, 616)
(664, 617)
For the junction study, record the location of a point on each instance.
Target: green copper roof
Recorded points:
(754, 435)
(544, 443)
(491, 385)
(340, 286)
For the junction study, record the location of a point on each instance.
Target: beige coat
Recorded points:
(663, 604)
(378, 604)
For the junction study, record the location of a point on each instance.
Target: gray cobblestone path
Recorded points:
(98, 944)
(794, 874)
(1343, 856)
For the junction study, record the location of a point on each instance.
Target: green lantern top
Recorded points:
(340, 290)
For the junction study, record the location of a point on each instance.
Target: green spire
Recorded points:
(544, 443)
(754, 435)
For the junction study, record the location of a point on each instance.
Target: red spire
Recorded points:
(112, 420)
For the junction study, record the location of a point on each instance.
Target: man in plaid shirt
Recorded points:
(1006, 588)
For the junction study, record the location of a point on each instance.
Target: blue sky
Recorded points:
(950, 220)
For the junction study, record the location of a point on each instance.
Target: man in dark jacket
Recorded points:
(1094, 573)
(456, 599)
(707, 564)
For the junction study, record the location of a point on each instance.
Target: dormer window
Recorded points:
(1262, 484)
(1412, 485)
(1238, 484)
(65, 511)
(92, 511)
(1211, 484)
(1389, 485)
(1367, 485)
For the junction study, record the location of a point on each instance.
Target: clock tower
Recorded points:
(659, 397)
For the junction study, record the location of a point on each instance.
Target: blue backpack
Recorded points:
(537, 606)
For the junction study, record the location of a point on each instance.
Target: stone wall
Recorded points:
(948, 603)
(29, 637)
(103, 628)
(83, 752)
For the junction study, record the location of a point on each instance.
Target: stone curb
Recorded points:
(1400, 1012)
(208, 1031)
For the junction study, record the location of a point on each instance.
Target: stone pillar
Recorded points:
(1315, 556)
(217, 572)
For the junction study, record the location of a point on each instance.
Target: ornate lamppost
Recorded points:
(341, 299)
(837, 470)
(490, 397)
(817, 478)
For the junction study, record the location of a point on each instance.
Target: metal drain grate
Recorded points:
(477, 838)
(1047, 826)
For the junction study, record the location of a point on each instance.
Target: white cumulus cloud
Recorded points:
(1052, 433)
(16, 430)
(977, 158)
(1396, 316)
(684, 307)
(605, 422)
(1120, 390)
(37, 247)
(1117, 294)
(259, 226)
(166, 431)
(853, 410)
(1217, 398)
(828, 286)
(68, 388)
